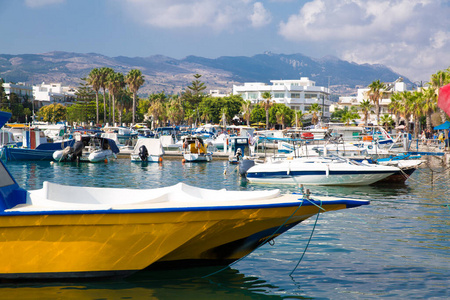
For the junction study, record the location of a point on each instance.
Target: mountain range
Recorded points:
(172, 75)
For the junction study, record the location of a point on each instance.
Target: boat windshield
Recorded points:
(5, 178)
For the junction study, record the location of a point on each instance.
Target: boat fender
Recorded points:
(327, 171)
(289, 168)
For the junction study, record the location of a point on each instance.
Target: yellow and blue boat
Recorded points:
(76, 232)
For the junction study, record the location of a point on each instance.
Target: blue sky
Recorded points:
(412, 37)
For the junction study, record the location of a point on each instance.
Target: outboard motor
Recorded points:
(244, 165)
(67, 152)
(143, 153)
(77, 151)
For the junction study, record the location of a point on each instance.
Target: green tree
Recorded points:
(3, 98)
(116, 83)
(175, 111)
(157, 111)
(283, 114)
(349, 115)
(124, 102)
(395, 106)
(267, 103)
(258, 113)
(438, 80)
(94, 79)
(429, 105)
(142, 108)
(194, 94)
(135, 80)
(414, 105)
(375, 93)
(81, 111)
(104, 72)
(366, 108)
(386, 121)
(314, 111)
(53, 113)
(299, 115)
(247, 111)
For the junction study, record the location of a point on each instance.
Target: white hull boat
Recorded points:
(195, 150)
(318, 171)
(200, 157)
(147, 150)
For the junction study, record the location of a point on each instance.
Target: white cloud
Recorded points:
(410, 36)
(260, 16)
(39, 3)
(214, 14)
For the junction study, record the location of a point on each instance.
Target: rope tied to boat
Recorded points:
(310, 237)
(265, 240)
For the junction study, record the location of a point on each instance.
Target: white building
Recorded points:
(217, 93)
(46, 94)
(22, 90)
(362, 94)
(296, 94)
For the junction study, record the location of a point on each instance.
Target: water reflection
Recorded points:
(186, 284)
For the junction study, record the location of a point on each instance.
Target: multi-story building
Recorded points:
(363, 94)
(45, 94)
(22, 90)
(296, 94)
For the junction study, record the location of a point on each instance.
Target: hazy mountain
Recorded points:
(172, 75)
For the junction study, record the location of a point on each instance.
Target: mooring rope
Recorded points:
(261, 244)
(310, 237)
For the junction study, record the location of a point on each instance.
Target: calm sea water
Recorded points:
(396, 248)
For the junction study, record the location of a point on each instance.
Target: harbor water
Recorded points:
(398, 247)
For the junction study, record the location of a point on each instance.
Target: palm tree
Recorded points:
(267, 96)
(437, 81)
(349, 115)
(156, 110)
(375, 94)
(103, 80)
(247, 111)
(396, 105)
(93, 79)
(366, 109)
(414, 102)
(116, 82)
(282, 114)
(135, 80)
(314, 110)
(175, 111)
(299, 115)
(386, 120)
(429, 105)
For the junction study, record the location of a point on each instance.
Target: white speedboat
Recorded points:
(318, 171)
(147, 150)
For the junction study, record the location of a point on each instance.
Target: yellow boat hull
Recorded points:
(227, 240)
(107, 244)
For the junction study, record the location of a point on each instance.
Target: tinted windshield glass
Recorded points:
(5, 178)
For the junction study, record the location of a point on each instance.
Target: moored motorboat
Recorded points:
(406, 169)
(35, 146)
(88, 148)
(147, 150)
(195, 150)
(318, 171)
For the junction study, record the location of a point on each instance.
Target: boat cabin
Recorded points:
(194, 144)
